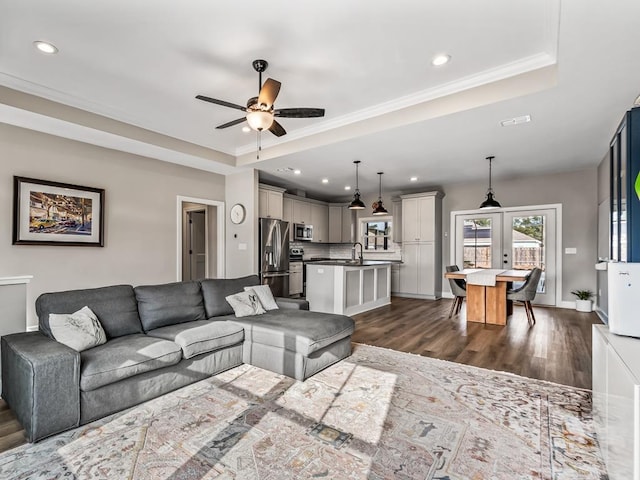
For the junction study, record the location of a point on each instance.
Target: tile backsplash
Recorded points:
(343, 250)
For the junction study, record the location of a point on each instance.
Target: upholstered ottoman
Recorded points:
(296, 343)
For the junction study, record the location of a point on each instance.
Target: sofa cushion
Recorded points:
(299, 331)
(115, 307)
(201, 336)
(79, 330)
(124, 357)
(168, 304)
(215, 290)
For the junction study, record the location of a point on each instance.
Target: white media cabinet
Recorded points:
(616, 401)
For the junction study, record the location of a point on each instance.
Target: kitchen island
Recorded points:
(348, 287)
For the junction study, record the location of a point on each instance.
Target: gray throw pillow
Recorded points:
(264, 295)
(245, 304)
(80, 330)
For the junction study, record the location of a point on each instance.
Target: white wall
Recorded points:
(576, 191)
(140, 213)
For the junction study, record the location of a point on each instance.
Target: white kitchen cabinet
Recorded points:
(395, 278)
(419, 217)
(270, 202)
(616, 401)
(339, 224)
(348, 224)
(421, 222)
(335, 223)
(396, 212)
(302, 212)
(416, 275)
(287, 214)
(295, 278)
(320, 222)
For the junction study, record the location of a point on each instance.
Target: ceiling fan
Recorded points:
(260, 112)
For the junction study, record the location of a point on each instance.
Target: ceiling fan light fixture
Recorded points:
(356, 203)
(490, 202)
(259, 120)
(380, 210)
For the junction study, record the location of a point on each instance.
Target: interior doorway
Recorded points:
(200, 239)
(194, 249)
(518, 238)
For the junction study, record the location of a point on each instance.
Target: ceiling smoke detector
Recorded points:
(516, 120)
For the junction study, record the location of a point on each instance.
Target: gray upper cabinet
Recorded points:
(320, 222)
(270, 202)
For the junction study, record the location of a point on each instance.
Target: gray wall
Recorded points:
(242, 240)
(576, 191)
(140, 213)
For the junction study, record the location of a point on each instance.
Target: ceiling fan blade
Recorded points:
(221, 102)
(232, 123)
(269, 92)
(299, 112)
(277, 129)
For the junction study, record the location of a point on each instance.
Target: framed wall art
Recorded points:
(52, 213)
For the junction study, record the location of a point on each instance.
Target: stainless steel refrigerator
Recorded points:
(274, 255)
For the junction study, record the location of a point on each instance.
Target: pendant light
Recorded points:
(356, 204)
(380, 210)
(490, 202)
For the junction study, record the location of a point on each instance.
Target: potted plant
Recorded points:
(583, 303)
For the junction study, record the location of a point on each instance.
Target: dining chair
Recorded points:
(526, 293)
(458, 288)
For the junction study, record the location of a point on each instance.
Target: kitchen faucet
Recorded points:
(353, 252)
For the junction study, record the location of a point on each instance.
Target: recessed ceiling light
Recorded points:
(45, 47)
(325, 180)
(347, 187)
(516, 120)
(297, 172)
(414, 179)
(440, 60)
(246, 129)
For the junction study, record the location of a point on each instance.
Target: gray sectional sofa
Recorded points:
(159, 338)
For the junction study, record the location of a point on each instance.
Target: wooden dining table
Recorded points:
(488, 304)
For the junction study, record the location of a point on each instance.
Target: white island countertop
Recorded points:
(348, 287)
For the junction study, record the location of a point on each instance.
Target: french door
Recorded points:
(510, 239)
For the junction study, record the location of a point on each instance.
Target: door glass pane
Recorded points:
(477, 243)
(528, 245)
(623, 195)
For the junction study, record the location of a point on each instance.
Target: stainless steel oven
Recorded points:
(302, 232)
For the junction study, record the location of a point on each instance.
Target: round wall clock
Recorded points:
(238, 213)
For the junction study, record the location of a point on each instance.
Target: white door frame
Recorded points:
(220, 217)
(555, 206)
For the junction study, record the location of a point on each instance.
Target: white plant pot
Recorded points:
(584, 306)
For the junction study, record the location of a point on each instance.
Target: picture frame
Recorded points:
(54, 213)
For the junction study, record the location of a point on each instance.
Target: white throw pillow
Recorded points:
(80, 330)
(245, 304)
(264, 295)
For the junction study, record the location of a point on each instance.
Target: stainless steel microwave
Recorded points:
(302, 232)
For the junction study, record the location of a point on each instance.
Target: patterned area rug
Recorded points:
(379, 414)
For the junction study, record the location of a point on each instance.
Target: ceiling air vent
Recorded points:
(516, 120)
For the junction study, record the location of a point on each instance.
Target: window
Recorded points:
(377, 235)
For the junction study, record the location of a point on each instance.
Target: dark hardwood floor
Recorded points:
(557, 348)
